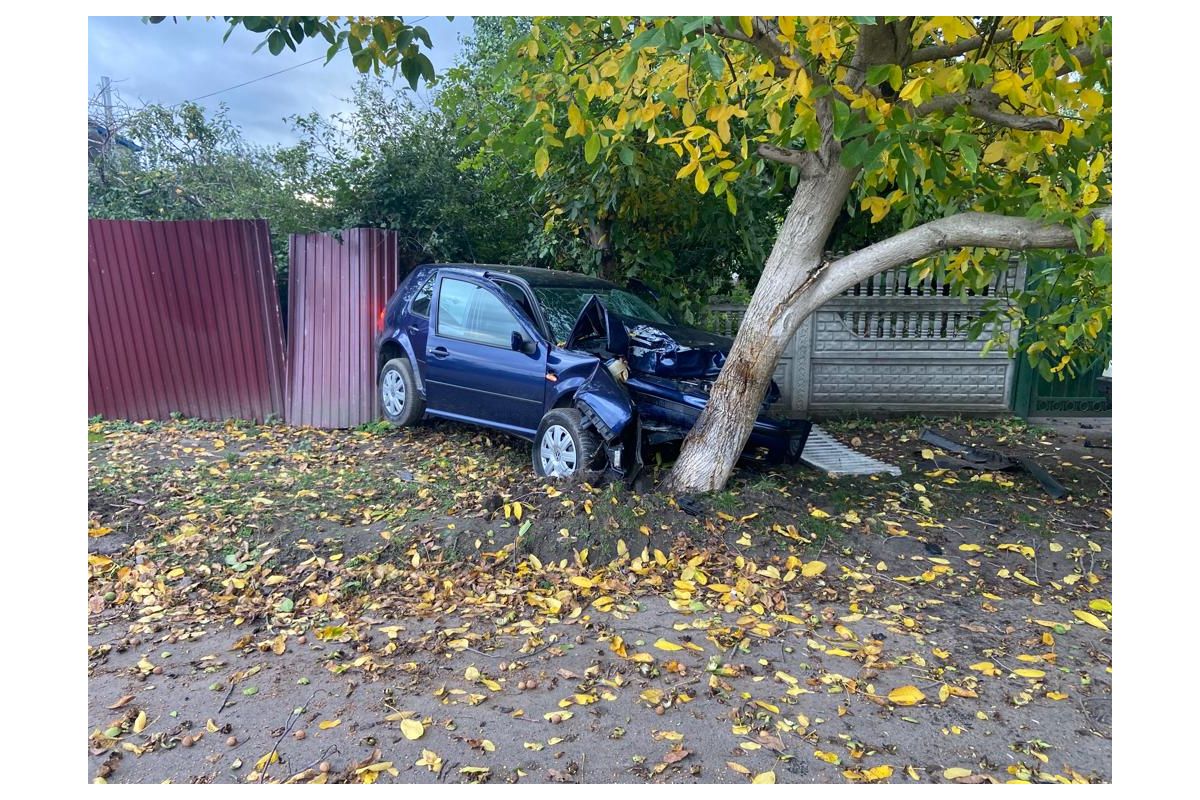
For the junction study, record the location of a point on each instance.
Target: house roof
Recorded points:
(98, 133)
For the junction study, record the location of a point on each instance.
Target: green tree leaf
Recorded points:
(591, 148)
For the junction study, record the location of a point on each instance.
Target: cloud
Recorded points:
(171, 62)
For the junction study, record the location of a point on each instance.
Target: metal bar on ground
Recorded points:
(825, 453)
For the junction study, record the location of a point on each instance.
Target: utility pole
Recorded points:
(106, 99)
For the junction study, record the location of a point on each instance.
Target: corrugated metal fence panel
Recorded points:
(183, 317)
(336, 291)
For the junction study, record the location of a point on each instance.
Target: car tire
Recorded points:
(564, 449)
(399, 399)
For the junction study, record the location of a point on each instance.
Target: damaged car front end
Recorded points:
(647, 384)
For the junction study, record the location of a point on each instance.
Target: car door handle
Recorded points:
(413, 330)
(440, 352)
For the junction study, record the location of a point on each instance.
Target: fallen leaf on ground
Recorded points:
(412, 729)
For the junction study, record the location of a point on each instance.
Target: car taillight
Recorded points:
(379, 324)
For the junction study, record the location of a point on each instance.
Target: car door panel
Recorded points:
(416, 325)
(472, 372)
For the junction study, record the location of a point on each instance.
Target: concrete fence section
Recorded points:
(891, 344)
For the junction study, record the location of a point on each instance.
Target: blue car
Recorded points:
(590, 372)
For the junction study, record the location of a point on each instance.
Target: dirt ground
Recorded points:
(270, 604)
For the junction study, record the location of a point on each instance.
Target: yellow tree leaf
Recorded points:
(1090, 619)
(576, 118)
(803, 83)
(812, 569)
(911, 89)
(995, 152)
(412, 729)
(880, 773)
(906, 696)
(663, 644)
(1023, 28)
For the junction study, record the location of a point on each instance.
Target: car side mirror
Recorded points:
(523, 345)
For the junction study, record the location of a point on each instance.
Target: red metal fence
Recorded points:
(183, 317)
(336, 291)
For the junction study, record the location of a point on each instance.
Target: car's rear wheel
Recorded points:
(399, 398)
(566, 450)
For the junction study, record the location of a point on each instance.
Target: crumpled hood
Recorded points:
(674, 351)
(663, 350)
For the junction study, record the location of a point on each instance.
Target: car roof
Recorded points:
(534, 276)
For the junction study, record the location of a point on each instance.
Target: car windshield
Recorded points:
(562, 306)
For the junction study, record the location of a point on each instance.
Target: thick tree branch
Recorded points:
(805, 160)
(969, 229)
(985, 104)
(764, 40)
(1018, 122)
(784, 155)
(1085, 57)
(961, 47)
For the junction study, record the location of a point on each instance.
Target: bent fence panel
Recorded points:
(337, 288)
(183, 317)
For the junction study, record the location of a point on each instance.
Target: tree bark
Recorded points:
(715, 442)
(599, 236)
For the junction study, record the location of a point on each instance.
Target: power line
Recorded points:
(253, 80)
(264, 77)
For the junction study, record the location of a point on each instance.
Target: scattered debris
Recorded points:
(825, 453)
(985, 460)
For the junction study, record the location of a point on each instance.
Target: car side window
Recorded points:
(469, 311)
(517, 295)
(420, 301)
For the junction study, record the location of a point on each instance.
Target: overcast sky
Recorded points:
(169, 63)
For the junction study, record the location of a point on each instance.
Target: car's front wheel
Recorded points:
(565, 449)
(399, 397)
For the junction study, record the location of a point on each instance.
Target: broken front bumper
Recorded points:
(667, 418)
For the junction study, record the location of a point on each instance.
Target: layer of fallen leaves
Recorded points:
(227, 524)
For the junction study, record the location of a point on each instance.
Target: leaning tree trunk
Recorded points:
(796, 282)
(777, 308)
